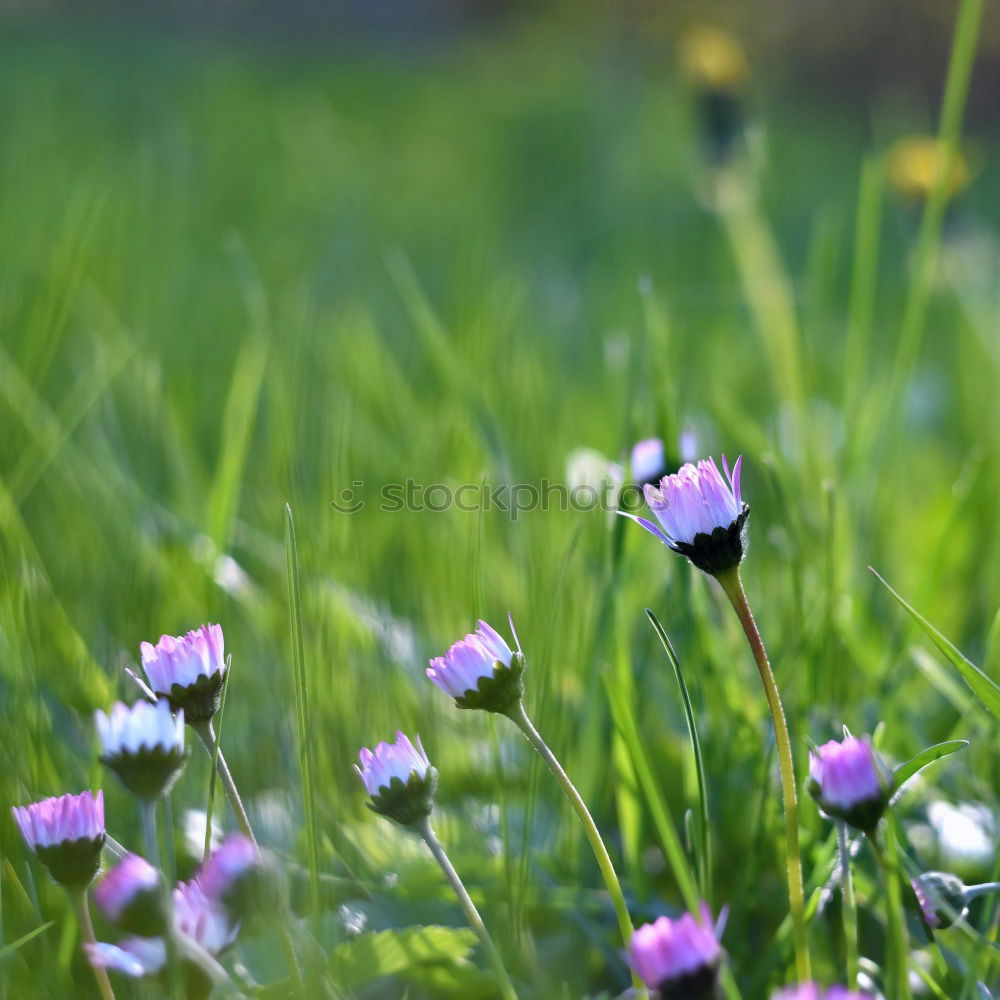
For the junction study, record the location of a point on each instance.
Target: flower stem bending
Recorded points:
(81, 908)
(519, 717)
(206, 733)
(423, 827)
(733, 587)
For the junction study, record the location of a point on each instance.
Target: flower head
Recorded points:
(941, 898)
(480, 671)
(227, 865)
(848, 781)
(67, 834)
(188, 670)
(648, 462)
(203, 919)
(130, 897)
(400, 780)
(700, 514)
(713, 58)
(143, 744)
(810, 991)
(246, 880)
(679, 958)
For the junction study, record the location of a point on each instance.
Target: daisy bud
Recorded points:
(481, 671)
(648, 462)
(66, 834)
(400, 780)
(241, 877)
(131, 898)
(941, 898)
(144, 745)
(810, 991)
(188, 670)
(849, 782)
(678, 958)
(700, 514)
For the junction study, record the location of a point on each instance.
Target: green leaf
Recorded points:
(459, 980)
(914, 765)
(982, 685)
(387, 953)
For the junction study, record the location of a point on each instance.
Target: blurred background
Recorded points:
(258, 254)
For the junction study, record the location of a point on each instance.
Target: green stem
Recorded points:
(733, 587)
(78, 897)
(206, 734)
(983, 889)
(519, 717)
(850, 906)
(292, 958)
(147, 820)
(471, 913)
(899, 947)
(191, 951)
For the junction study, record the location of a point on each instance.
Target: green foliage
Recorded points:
(386, 953)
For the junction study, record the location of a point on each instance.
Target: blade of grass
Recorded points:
(213, 776)
(302, 707)
(704, 830)
(666, 830)
(983, 686)
(9, 949)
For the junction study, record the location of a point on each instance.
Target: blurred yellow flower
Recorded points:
(916, 162)
(714, 58)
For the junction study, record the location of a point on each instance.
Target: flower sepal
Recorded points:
(406, 802)
(199, 700)
(702, 984)
(720, 551)
(73, 863)
(497, 692)
(150, 773)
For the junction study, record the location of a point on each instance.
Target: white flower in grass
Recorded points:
(188, 670)
(400, 780)
(144, 745)
(700, 514)
(481, 671)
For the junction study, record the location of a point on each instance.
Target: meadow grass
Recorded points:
(237, 282)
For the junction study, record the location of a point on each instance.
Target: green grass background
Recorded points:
(234, 279)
